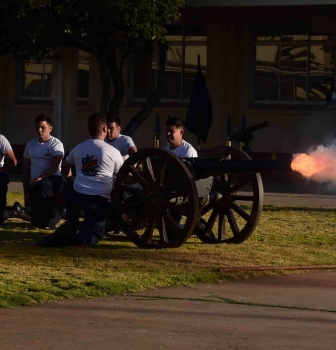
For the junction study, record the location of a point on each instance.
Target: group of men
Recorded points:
(96, 163)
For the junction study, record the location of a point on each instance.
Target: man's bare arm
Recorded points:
(55, 161)
(9, 162)
(132, 150)
(66, 171)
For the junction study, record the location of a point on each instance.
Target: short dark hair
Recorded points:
(43, 118)
(174, 121)
(114, 119)
(96, 122)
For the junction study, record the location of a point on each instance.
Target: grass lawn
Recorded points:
(31, 275)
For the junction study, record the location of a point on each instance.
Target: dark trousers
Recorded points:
(94, 208)
(43, 201)
(4, 180)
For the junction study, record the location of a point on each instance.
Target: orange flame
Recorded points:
(307, 165)
(319, 165)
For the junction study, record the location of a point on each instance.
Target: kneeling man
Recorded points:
(96, 163)
(42, 179)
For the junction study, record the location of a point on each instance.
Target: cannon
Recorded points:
(246, 136)
(218, 197)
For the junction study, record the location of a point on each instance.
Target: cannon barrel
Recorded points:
(246, 136)
(239, 135)
(257, 126)
(212, 166)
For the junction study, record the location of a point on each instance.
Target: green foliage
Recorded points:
(33, 27)
(109, 29)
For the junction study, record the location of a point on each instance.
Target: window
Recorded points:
(83, 77)
(292, 65)
(37, 79)
(185, 44)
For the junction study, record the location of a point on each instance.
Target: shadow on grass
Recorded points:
(121, 237)
(26, 234)
(20, 245)
(19, 232)
(17, 225)
(101, 253)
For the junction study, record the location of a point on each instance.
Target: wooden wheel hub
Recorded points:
(156, 204)
(225, 202)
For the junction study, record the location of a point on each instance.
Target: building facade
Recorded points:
(273, 63)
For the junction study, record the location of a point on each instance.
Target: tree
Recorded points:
(111, 30)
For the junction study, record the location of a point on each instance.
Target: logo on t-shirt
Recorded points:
(90, 165)
(48, 154)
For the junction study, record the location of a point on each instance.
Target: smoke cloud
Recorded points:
(318, 165)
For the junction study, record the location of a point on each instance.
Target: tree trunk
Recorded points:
(154, 98)
(106, 82)
(119, 88)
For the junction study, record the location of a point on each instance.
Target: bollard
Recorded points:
(273, 156)
(157, 132)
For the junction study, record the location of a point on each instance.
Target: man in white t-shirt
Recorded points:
(7, 162)
(124, 144)
(96, 163)
(179, 147)
(176, 144)
(42, 179)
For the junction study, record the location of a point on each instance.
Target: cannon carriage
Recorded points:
(163, 199)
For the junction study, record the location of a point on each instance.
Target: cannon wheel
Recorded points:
(226, 221)
(160, 211)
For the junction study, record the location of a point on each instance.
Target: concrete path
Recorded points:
(300, 200)
(292, 312)
(15, 184)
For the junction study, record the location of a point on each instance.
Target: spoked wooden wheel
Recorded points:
(233, 218)
(160, 207)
